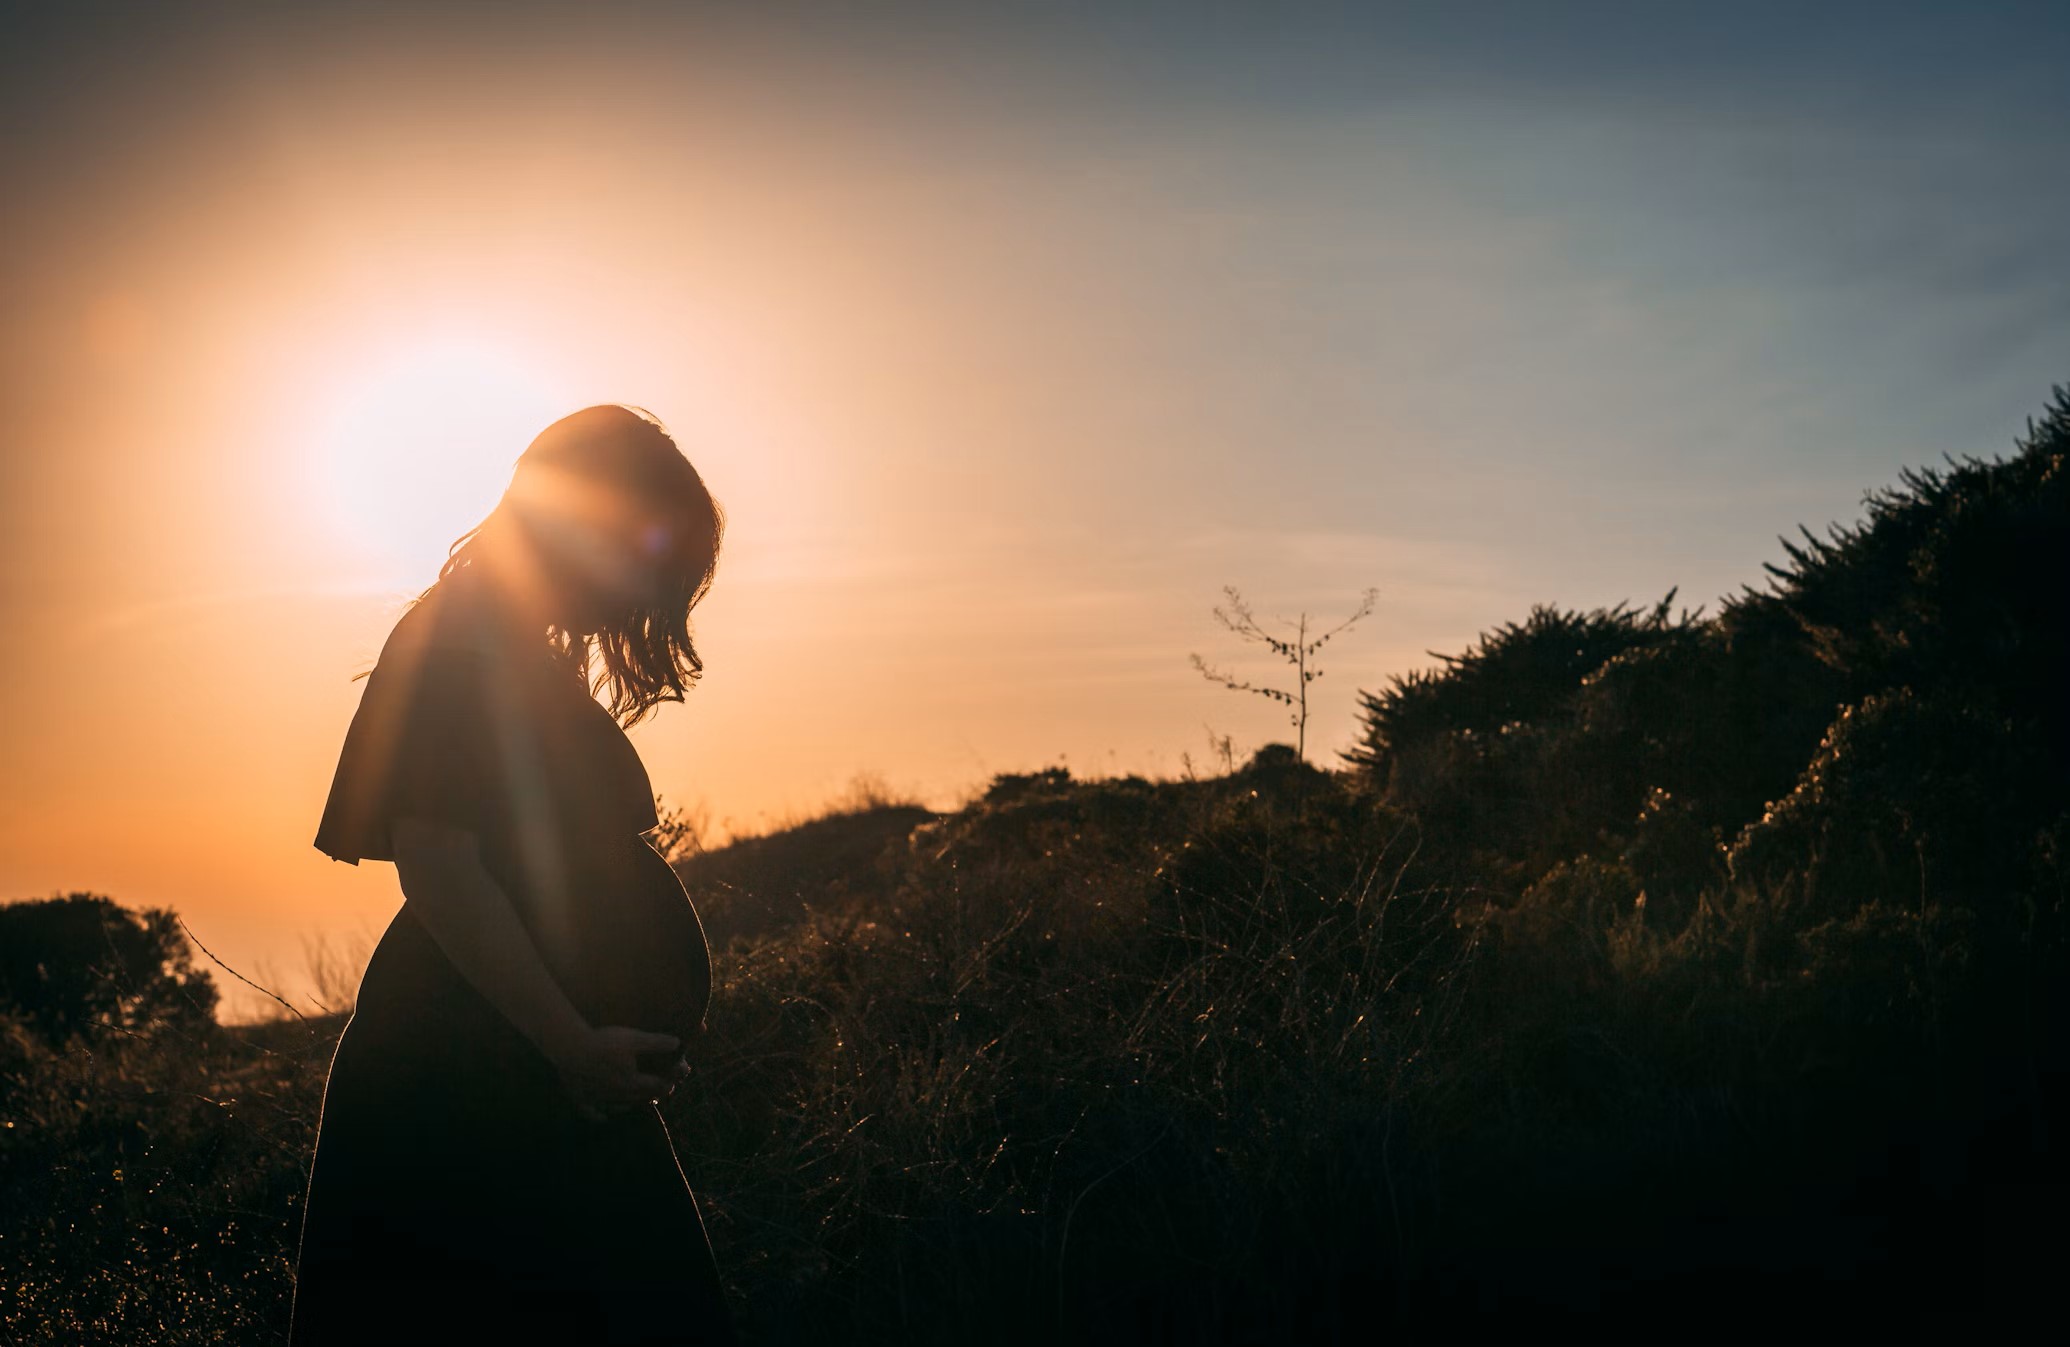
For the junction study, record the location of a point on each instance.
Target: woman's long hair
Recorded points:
(591, 461)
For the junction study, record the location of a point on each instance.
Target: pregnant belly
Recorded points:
(626, 944)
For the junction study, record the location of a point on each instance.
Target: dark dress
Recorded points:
(455, 1194)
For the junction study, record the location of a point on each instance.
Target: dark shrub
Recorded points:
(754, 886)
(1673, 856)
(1959, 578)
(81, 964)
(1926, 796)
(1520, 673)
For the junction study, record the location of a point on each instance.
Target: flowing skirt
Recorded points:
(456, 1195)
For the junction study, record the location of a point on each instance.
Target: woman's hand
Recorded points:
(600, 1068)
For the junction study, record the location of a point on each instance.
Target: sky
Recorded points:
(1006, 335)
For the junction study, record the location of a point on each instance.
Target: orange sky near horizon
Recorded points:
(1001, 366)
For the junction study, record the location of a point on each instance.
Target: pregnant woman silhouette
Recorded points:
(491, 1164)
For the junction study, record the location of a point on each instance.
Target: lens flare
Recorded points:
(414, 448)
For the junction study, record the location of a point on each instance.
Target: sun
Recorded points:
(413, 447)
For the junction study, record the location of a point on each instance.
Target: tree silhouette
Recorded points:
(80, 964)
(1296, 652)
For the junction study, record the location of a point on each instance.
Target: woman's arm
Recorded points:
(456, 899)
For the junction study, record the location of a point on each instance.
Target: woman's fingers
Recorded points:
(615, 1080)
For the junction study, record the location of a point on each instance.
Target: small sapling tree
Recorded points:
(1298, 652)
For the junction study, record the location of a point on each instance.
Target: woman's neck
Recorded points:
(515, 596)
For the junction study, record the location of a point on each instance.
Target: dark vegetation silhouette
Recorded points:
(80, 963)
(1640, 974)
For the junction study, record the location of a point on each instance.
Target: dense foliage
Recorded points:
(1643, 975)
(81, 964)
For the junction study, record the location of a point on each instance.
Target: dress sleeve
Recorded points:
(422, 744)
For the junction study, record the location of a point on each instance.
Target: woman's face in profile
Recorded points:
(606, 560)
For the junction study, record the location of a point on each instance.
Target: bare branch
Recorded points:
(1365, 607)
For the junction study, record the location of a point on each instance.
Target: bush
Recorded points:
(1906, 795)
(81, 965)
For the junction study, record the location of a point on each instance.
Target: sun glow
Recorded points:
(413, 448)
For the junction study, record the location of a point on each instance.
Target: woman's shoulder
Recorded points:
(460, 642)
